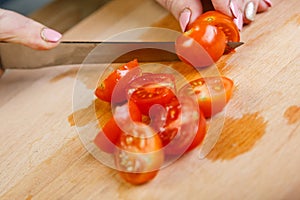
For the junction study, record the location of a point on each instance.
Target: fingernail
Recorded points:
(250, 11)
(184, 18)
(50, 35)
(268, 2)
(239, 21)
(234, 8)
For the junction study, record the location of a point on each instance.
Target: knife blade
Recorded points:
(15, 56)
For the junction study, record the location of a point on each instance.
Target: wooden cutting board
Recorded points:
(256, 156)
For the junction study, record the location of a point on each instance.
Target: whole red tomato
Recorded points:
(201, 45)
(222, 22)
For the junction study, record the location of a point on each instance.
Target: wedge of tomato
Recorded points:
(106, 89)
(185, 127)
(163, 118)
(213, 93)
(151, 89)
(139, 157)
(222, 22)
(107, 138)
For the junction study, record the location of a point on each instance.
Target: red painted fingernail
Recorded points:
(184, 18)
(269, 3)
(239, 21)
(50, 35)
(234, 8)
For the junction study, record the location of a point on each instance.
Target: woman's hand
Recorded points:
(243, 11)
(16, 28)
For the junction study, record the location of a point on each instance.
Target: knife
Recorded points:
(15, 56)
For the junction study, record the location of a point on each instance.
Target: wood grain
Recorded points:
(256, 157)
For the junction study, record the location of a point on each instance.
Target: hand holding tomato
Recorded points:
(206, 39)
(186, 11)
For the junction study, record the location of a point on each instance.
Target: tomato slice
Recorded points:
(107, 138)
(138, 156)
(150, 89)
(107, 87)
(213, 93)
(201, 45)
(185, 131)
(222, 22)
(162, 117)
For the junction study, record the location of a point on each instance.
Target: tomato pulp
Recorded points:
(213, 93)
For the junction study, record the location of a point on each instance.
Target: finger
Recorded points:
(250, 10)
(243, 11)
(232, 8)
(264, 5)
(19, 29)
(252, 7)
(185, 11)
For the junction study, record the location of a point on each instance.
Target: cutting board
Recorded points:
(255, 157)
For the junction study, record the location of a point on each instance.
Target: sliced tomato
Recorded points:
(222, 22)
(107, 87)
(138, 157)
(107, 138)
(186, 131)
(201, 45)
(213, 93)
(162, 117)
(151, 89)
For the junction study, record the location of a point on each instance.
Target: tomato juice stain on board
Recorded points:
(69, 73)
(98, 110)
(29, 197)
(293, 19)
(222, 63)
(292, 114)
(238, 136)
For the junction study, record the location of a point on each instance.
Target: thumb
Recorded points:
(16, 28)
(185, 11)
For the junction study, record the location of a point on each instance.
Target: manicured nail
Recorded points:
(234, 8)
(239, 21)
(50, 35)
(268, 2)
(184, 18)
(250, 11)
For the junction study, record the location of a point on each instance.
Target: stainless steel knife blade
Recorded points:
(15, 56)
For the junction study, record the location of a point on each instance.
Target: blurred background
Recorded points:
(57, 14)
(24, 7)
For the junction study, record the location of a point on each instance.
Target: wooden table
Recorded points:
(256, 157)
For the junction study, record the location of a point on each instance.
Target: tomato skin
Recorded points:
(107, 138)
(201, 46)
(213, 93)
(150, 89)
(106, 88)
(222, 22)
(201, 132)
(191, 128)
(162, 119)
(138, 156)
